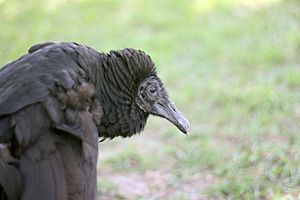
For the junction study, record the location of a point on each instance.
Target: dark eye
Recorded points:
(152, 89)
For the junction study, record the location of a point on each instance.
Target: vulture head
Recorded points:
(152, 98)
(134, 91)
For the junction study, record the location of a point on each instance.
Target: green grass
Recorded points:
(232, 66)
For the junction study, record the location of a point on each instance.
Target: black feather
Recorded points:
(54, 104)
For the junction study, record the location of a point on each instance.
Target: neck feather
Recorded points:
(116, 90)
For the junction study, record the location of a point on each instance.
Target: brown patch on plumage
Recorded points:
(96, 111)
(81, 98)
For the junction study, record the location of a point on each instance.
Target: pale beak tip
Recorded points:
(185, 126)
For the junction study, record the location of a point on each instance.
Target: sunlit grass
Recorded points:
(231, 66)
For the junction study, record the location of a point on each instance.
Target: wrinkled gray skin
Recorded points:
(57, 101)
(152, 98)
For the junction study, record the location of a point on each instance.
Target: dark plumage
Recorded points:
(56, 101)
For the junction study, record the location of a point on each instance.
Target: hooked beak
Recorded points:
(168, 110)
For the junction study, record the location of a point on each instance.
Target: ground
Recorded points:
(231, 66)
(151, 183)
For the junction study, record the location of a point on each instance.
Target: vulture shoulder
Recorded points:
(48, 118)
(36, 76)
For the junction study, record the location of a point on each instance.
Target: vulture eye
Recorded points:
(152, 90)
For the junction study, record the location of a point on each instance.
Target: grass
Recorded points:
(231, 66)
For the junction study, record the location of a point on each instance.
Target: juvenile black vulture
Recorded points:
(55, 104)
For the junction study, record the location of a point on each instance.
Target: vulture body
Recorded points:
(55, 104)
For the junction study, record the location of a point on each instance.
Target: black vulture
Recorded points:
(57, 101)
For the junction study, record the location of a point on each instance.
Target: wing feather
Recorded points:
(48, 120)
(10, 181)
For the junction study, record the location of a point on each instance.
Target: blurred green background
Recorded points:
(231, 66)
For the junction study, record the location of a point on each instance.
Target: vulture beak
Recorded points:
(168, 110)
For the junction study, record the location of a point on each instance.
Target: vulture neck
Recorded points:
(116, 91)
